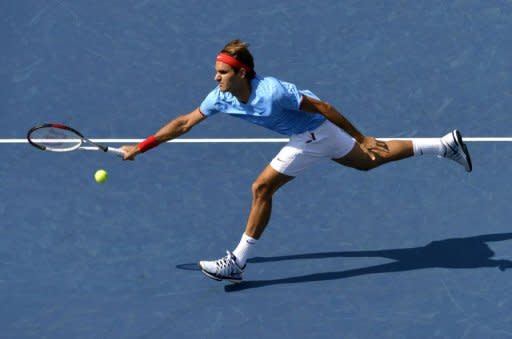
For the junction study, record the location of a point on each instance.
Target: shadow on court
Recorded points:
(471, 252)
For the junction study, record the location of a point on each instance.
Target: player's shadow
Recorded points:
(471, 252)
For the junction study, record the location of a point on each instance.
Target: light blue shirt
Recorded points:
(273, 104)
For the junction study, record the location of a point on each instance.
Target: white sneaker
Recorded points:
(225, 268)
(456, 149)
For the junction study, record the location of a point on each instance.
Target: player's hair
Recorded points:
(240, 51)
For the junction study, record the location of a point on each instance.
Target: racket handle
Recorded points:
(114, 150)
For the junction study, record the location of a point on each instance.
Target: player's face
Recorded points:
(227, 77)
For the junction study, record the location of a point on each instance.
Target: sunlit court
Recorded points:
(233, 220)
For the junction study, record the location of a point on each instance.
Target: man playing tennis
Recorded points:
(316, 129)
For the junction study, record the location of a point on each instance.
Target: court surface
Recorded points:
(413, 249)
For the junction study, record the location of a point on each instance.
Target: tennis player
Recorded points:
(316, 129)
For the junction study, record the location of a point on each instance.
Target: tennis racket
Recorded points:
(62, 138)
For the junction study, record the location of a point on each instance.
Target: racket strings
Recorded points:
(55, 138)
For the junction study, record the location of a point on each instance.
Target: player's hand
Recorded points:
(373, 147)
(130, 151)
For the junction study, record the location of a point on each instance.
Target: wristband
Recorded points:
(147, 144)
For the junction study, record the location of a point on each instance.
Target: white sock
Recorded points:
(427, 146)
(241, 252)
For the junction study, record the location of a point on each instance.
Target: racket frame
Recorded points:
(79, 146)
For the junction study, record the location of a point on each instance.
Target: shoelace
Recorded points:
(225, 263)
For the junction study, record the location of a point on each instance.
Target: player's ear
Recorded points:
(242, 72)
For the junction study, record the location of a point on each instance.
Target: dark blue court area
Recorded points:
(415, 249)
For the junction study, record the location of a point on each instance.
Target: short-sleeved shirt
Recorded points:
(273, 104)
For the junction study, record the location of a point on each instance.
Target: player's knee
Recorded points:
(261, 190)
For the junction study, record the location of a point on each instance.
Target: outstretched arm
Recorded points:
(176, 127)
(369, 145)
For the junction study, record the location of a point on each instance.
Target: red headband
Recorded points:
(233, 62)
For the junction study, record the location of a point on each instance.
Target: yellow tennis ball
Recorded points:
(101, 176)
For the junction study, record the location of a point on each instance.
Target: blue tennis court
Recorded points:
(418, 248)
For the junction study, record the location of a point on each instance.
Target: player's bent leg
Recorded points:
(358, 159)
(230, 267)
(263, 188)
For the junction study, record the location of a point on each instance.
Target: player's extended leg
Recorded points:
(232, 265)
(358, 159)
(451, 146)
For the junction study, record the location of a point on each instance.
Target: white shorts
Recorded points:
(327, 141)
